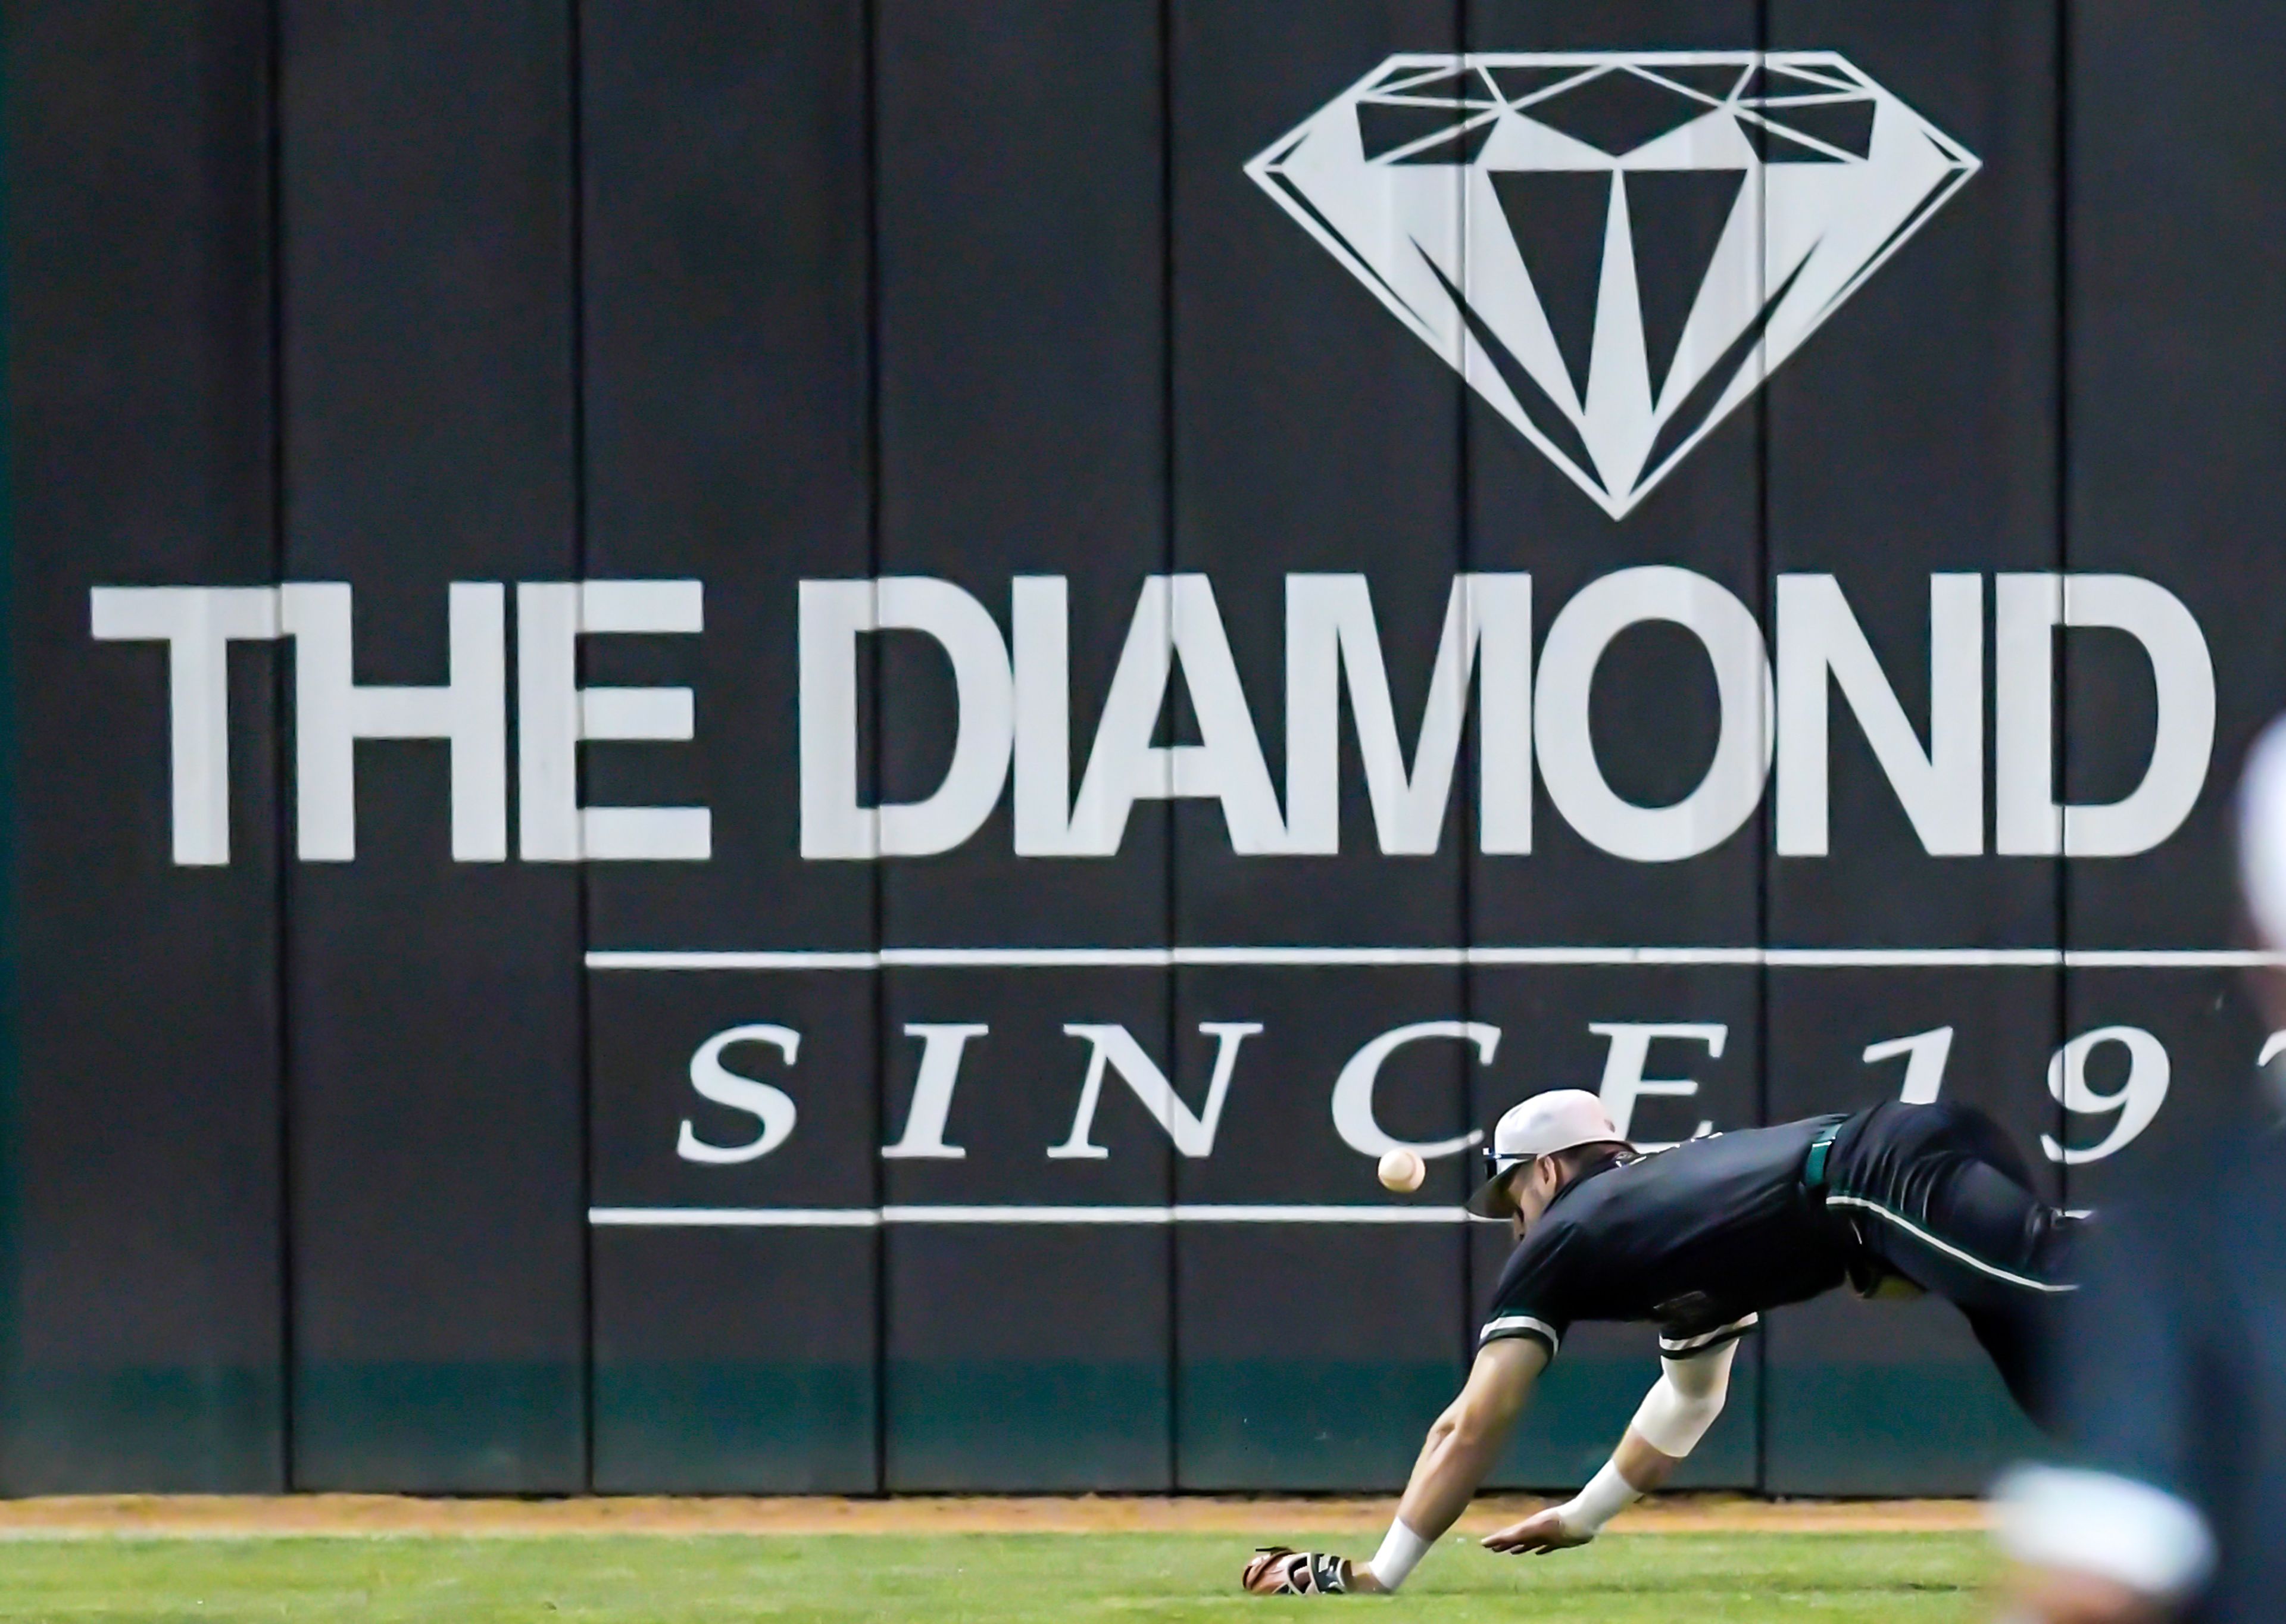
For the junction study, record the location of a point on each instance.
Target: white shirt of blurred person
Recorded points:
(2173, 1379)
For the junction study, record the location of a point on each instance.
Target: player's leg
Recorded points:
(1971, 1131)
(1964, 1230)
(1997, 1252)
(1941, 1191)
(1939, 1196)
(2019, 1340)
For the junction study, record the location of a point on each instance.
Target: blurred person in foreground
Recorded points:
(2172, 1373)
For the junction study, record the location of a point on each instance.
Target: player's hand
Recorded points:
(1541, 1531)
(1279, 1570)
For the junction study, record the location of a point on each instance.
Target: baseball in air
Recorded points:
(1403, 1170)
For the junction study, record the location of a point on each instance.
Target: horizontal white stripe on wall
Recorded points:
(1306, 957)
(868, 1217)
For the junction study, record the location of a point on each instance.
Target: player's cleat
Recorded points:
(1280, 1570)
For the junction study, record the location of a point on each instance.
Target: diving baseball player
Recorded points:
(1699, 1240)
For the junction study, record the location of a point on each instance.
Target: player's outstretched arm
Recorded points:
(1460, 1450)
(1674, 1416)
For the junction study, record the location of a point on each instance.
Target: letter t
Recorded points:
(197, 623)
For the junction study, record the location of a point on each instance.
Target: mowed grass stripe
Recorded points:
(1003, 1579)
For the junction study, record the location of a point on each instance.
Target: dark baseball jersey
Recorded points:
(1696, 1240)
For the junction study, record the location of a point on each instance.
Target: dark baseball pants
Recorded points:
(1939, 1196)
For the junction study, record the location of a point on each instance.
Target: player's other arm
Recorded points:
(1672, 1419)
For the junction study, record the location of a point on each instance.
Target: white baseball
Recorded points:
(1403, 1170)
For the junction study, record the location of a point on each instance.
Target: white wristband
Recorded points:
(1401, 1550)
(1606, 1495)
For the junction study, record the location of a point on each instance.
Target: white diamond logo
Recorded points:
(1614, 248)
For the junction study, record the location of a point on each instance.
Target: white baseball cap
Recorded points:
(1561, 1119)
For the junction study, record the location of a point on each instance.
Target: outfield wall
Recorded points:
(1039, 574)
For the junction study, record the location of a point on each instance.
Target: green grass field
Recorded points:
(1769, 1578)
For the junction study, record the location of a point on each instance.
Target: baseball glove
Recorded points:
(1279, 1570)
